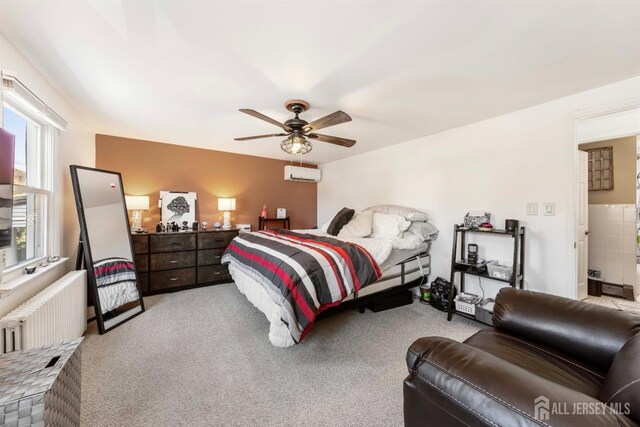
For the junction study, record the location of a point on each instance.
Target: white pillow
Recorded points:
(424, 230)
(408, 241)
(388, 226)
(324, 227)
(359, 226)
(408, 213)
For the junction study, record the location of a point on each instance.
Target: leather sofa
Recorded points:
(547, 361)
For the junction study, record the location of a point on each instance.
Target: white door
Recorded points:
(582, 230)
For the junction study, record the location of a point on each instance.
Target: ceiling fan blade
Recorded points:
(247, 138)
(268, 119)
(344, 142)
(326, 121)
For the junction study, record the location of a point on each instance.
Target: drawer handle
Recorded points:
(173, 279)
(174, 243)
(216, 273)
(218, 256)
(173, 261)
(219, 240)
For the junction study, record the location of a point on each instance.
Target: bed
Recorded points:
(268, 267)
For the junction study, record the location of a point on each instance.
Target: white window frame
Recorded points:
(42, 183)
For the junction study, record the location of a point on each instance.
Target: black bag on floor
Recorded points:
(440, 289)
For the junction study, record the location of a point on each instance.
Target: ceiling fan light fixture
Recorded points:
(296, 144)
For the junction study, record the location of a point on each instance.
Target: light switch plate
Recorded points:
(549, 209)
(532, 208)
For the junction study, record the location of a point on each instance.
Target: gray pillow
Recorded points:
(424, 230)
(408, 213)
(339, 221)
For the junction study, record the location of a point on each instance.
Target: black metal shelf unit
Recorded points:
(517, 275)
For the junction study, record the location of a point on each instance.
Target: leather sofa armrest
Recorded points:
(588, 332)
(487, 390)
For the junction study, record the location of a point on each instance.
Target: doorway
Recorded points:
(611, 222)
(602, 126)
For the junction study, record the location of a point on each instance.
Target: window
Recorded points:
(31, 191)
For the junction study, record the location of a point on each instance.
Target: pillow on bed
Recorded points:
(409, 241)
(387, 226)
(359, 226)
(423, 230)
(340, 220)
(408, 213)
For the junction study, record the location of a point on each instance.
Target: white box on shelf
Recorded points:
(466, 303)
(500, 269)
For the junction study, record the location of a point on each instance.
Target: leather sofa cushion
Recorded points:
(622, 386)
(479, 388)
(588, 332)
(539, 360)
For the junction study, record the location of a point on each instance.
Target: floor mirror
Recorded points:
(105, 246)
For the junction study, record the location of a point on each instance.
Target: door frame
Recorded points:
(598, 124)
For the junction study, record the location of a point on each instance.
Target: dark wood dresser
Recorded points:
(168, 262)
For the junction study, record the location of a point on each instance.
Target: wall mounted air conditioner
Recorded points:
(298, 173)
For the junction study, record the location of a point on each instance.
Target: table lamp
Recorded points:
(226, 205)
(137, 204)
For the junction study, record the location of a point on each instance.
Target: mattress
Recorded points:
(398, 255)
(415, 267)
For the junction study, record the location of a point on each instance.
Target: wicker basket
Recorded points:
(41, 386)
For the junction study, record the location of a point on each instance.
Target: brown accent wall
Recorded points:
(149, 167)
(624, 172)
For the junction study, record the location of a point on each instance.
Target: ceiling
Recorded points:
(178, 72)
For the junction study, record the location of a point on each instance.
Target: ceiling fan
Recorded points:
(298, 130)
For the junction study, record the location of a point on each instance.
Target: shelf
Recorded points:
(462, 268)
(494, 231)
(480, 271)
(274, 219)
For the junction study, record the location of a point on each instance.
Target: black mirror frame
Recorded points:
(86, 248)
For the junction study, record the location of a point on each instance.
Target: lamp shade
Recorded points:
(226, 204)
(137, 203)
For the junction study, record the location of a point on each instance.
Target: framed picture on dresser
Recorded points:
(178, 206)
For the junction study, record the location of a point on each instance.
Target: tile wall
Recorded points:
(612, 242)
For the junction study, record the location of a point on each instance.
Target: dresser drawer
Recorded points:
(172, 242)
(143, 279)
(216, 239)
(172, 278)
(140, 244)
(142, 263)
(172, 260)
(210, 256)
(213, 273)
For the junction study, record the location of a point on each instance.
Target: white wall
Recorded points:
(76, 146)
(499, 165)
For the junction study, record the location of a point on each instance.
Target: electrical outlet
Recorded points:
(532, 208)
(549, 209)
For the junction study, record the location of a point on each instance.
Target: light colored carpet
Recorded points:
(202, 357)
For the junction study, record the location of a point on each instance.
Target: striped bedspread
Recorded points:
(110, 271)
(302, 273)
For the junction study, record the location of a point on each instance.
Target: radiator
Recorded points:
(57, 313)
